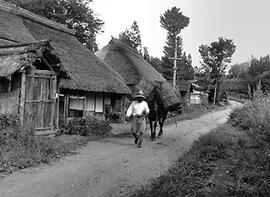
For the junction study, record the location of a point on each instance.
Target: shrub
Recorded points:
(22, 149)
(7, 121)
(254, 116)
(224, 162)
(87, 126)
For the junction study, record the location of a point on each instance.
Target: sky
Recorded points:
(247, 22)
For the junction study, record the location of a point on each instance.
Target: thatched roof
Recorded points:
(10, 64)
(184, 85)
(128, 63)
(87, 72)
(17, 56)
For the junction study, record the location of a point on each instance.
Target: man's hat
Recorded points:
(139, 94)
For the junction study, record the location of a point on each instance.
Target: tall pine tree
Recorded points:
(173, 21)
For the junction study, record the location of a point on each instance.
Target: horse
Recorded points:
(157, 113)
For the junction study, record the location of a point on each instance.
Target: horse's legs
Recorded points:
(161, 122)
(151, 128)
(155, 127)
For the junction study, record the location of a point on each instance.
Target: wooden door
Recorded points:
(40, 100)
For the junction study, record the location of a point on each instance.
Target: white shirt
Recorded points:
(137, 108)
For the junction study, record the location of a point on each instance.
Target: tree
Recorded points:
(157, 64)
(185, 70)
(132, 37)
(215, 60)
(146, 55)
(257, 73)
(173, 21)
(76, 14)
(236, 70)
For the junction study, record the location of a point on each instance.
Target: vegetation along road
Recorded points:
(110, 167)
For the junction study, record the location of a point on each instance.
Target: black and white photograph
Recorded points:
(134, 98)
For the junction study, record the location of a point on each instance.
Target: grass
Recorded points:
(231, 160)
(20, 148)
(192, 112)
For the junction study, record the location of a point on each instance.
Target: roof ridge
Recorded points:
(124, 45)
(16, 10)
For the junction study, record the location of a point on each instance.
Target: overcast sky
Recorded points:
(247, 22)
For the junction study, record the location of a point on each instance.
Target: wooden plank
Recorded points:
(39, 101)
(77, 97)
(123, 109)
(54, 82)
(84, 107)
(57, 110)
(42, 77)
(41, 73)
(22, 98)
(42, 128)
(65, 108)
(45, 132)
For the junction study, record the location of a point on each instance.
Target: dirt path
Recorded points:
(110, 167)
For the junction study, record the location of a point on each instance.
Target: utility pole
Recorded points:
(175, 63)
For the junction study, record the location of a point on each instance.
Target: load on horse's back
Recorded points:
(161, 100)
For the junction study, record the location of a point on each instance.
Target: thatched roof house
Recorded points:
(87, 71)
(136, 71)
(128, 63)
(86, 83)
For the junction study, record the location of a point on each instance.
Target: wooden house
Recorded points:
(60, 76)
(138, 73)
(135, 70)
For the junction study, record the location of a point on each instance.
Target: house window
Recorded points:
(76, 107)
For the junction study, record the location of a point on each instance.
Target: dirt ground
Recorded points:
(110, 167)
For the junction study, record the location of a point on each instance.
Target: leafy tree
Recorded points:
(236, 70)
(157, 64)
(174, 22)
(132, 37)
(76, 14)
(167, 62)
(185, 70)
(258, 73)
(215, 60)
(146, 55)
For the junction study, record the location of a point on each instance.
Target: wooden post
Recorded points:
(215, 93)
(57, 109)
(53, 81)
(9, 85)
(66, 107)
(123, 108)
(22, 99)
(175, 63)
(84, 106)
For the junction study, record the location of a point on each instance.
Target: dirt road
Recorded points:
(110, 167)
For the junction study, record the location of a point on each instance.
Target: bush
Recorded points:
(22, 149)
(7, 121)
(224, 162)
(87, 126)
(254, 116)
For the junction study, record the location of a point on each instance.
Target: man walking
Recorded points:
(138, 110)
